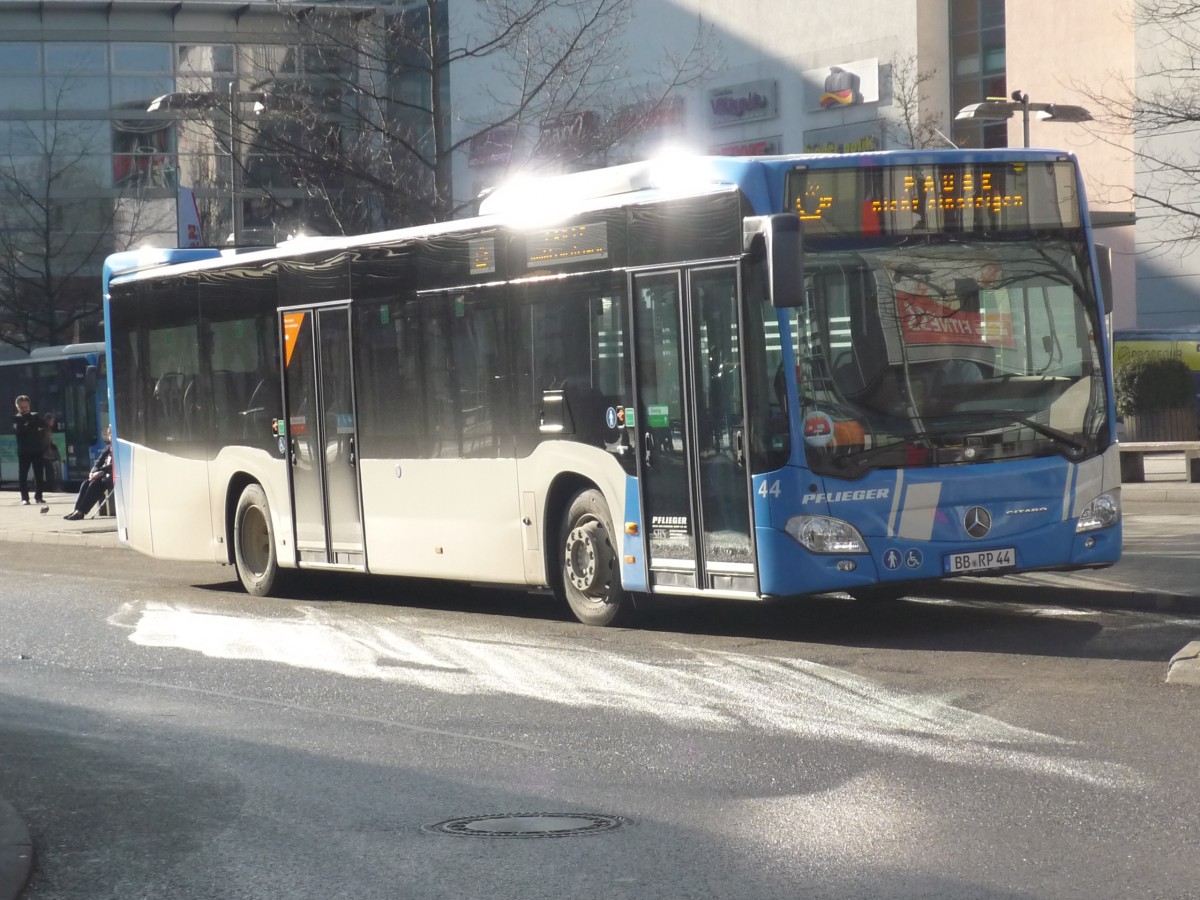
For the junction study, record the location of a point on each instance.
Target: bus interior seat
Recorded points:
(169, 392)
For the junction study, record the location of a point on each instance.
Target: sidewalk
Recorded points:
(30, 525)
(1166, 495)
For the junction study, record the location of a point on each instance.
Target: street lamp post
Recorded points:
(996, 109)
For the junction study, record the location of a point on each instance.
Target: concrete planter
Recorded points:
(1177, 424)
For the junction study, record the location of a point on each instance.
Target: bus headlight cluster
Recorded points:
(1101, 512)
(821, 534)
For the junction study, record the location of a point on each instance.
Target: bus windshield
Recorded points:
(950, 352)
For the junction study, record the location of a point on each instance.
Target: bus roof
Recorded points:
(531, 216)
(152, 257)
(535, 200)
(755, 175)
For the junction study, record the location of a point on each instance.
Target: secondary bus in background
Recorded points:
(1181, 342)
(69, 382)
(727, 378)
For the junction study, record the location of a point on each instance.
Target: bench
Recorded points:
(1133, 469)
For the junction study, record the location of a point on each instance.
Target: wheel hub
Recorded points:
(588, 559)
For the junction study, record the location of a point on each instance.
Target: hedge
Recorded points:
(1149, 385)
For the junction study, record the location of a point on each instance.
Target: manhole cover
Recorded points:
(527, 825)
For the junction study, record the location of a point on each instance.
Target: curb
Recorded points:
(101, 537)
(1185, 666)
(16, 853)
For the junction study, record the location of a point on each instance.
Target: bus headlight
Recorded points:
(821, 534)
(1101, 512)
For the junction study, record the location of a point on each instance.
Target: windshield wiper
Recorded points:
(861, 456)
(1017, 417)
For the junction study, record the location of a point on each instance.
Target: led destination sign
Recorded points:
(559, 246)
(948, 197)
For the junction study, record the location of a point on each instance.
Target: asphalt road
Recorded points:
(164, 735)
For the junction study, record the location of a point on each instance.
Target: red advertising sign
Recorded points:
(761, 147)
(926, 321)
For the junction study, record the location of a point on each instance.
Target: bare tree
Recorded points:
(915, 127)
(1160, 108)
(59, 217)
(368, 130)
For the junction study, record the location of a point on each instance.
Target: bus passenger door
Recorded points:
(692, 444)
(322, 437)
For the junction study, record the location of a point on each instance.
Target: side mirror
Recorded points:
(1104, 267)
(89, 377)
(784, 247)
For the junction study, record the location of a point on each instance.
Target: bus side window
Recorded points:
(576, 332)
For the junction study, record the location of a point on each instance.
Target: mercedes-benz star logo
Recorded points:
(977, 521)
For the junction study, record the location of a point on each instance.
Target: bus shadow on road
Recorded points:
(1022, 621)
(1081, 595)
(413, 593)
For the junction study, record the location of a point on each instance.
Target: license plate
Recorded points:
(980, 560)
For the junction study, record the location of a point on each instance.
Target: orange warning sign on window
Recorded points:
(291, 330)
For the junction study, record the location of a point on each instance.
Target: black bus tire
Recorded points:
(590, 573)
(254, 543)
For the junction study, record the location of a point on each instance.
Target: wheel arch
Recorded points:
(558, 498)
(238, 482)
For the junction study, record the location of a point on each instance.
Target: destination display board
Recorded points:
(559, 246)
(935, 198)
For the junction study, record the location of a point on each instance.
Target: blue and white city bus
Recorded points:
(757, 378)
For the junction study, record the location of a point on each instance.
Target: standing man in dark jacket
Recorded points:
(28, 427)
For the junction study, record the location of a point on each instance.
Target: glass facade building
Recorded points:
(978, 62)
(91, 164)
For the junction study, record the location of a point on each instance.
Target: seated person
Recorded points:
(99, 481)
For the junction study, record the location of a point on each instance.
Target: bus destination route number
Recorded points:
(558, 246)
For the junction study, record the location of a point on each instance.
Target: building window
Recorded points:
(20, 58)
(140, 72)
(978, 67)
(76, 76)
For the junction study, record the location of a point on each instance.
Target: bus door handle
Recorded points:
(739, 447)
(648, 448)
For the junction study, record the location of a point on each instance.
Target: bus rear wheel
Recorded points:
(254, 543)
(590, 579)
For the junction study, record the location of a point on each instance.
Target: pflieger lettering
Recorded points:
(846, 496)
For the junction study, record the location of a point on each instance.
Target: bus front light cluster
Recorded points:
(1101, 512)
(821, 534)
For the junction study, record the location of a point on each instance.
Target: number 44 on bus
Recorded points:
(747, 379)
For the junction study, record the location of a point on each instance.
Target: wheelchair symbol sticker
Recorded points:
(913, 559)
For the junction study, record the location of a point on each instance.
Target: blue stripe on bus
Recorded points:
(633, 574)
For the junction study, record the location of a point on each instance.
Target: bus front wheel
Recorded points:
(254, 543)
(590, 578)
